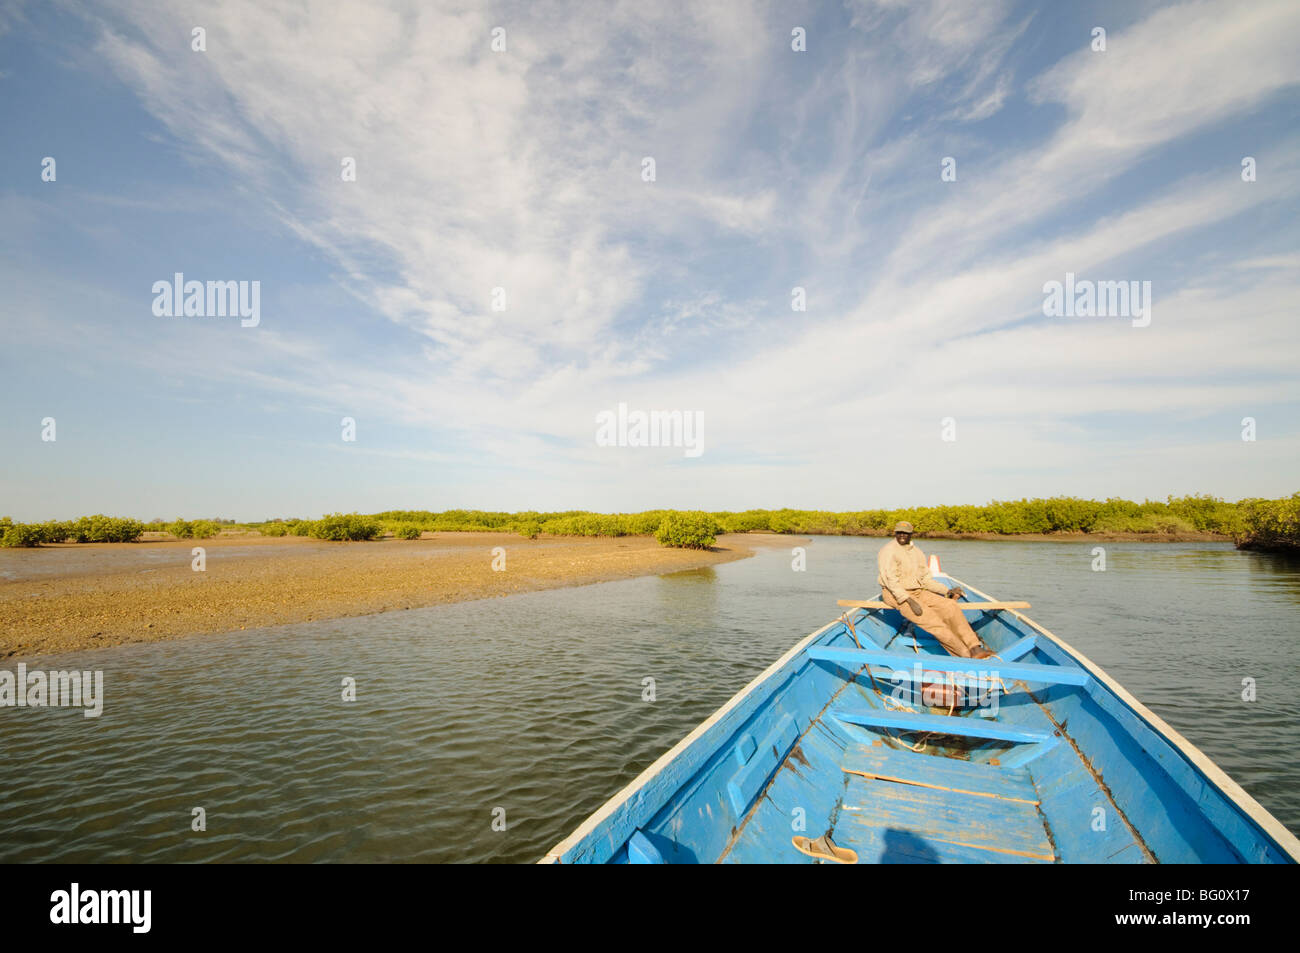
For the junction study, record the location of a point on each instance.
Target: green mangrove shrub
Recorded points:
(689, 530)
(344, 526)
(21, 535)
(193, 529)
(105, 529)
(1270, 524)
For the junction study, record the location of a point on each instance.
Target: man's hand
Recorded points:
(914, 605)
(956, 592)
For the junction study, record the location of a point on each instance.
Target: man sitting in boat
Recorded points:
(906, 585)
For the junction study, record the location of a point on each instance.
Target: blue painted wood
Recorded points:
(1019, 649)
(749, 780)
(1005, 828)
(798, 801)
(1024, 755)
(641, 851)
(889, 676)
(943, 724)
(876, 844)
(978, 780)
(702, 816)
(1082, 819)
(781, 761)
(1043, 674)
(1157, 786)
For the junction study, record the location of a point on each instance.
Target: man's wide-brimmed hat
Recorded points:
(903, 527)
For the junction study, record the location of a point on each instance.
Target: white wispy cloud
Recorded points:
(522, 170)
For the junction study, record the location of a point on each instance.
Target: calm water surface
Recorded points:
(532, 704)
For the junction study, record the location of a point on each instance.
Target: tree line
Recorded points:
(1251, 523)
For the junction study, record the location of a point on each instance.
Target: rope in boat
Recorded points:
(852, 631)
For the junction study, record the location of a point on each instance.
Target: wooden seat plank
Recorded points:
(1008, 671)
(966, 727)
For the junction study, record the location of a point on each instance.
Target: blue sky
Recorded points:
(522, 170)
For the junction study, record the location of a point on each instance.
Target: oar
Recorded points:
(978, 606)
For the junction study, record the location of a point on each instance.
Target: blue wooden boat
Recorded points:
(869, 731)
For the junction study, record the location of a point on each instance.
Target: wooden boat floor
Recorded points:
(906, 767)
(904, 808)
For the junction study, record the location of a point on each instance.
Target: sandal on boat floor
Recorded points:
(823, 848)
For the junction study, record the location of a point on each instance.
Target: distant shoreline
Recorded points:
(1251, 523)
(1115, 537)
(67, 597)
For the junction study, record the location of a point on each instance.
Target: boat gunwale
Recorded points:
(1282, 837)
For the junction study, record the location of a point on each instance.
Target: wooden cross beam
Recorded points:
(964, 606)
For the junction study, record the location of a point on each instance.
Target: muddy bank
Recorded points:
(73, 596)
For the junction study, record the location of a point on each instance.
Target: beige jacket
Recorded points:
(903, 568)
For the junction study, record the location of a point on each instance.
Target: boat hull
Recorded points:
(1039, 758)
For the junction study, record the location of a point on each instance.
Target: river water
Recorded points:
(528, 712)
